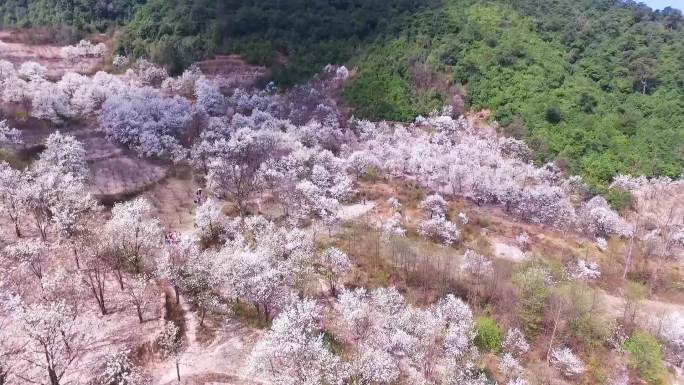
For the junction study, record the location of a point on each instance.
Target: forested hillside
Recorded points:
(190, 194)
(84, 15)
(307, 33)
(595, 84)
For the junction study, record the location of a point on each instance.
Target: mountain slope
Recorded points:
(596, 84)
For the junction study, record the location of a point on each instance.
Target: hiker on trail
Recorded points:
(198, 197)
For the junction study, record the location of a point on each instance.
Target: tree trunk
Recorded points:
(17, 231)
(100, 299)
(139, 311)
(628, 258)
(331, 282)
(78, 264)
(553, 334)
(54, 380)
(178, 370)
(119, 278)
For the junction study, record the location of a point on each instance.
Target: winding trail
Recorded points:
(223, 361)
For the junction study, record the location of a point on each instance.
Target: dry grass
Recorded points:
(23, 47)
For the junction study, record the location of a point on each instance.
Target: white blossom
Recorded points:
(583, 270)
(439, 229)
(567, 362)
(9, 135)
(147, 122)
(515, 343)
(293, 351)
(120, 61)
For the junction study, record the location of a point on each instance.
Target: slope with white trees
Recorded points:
(313, 248)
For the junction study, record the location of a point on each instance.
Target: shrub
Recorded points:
(553, 115)
(533, 289)
(645, 355)
(489, 335)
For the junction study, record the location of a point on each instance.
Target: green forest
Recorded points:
(597, 85)
(83, 15)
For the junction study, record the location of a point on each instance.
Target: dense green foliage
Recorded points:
(304, 34)
(597, 84)
(489, 334)
(84, 15)
(646, 356)
(531, 283)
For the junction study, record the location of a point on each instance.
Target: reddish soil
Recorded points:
(231, 71)
(16, 50)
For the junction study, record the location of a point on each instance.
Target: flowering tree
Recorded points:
(209, 98)
(439, 229)
(40, 189)
(171, 343)
(64, 154)
(672, 332)
(434, 205)
(392, 227)
(83, 49)
(149, 74)
(9, 135)
(567, 362)
(30, 254)
(334, 264)
(119, 369)
(53, 189)
(89, 94)
(32, 71)
(237, 169)
(201, 282)
(73, 217)
(147, 122)
(210, 222)
(456, 157)
(433, 343)
(583, 270)
(96, 268)
(362, 161)
(55, 339)
(523, 240)
(509, 366)
(9, 350)
(476, 266)
(375, 366)
(172, 264)
(49, 102)
(266, 265)
(184, 84)
(16, 90)
(600, 220)
(141, 293)
(515, 343)
(293, 351)
(10, 202)
(120, 62)
(134, 234)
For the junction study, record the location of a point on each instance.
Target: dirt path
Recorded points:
(355, 211)
(49, 55)
(173, 198)
(223, 361)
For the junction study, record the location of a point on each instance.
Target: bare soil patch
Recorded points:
(17, 51)
(231, 71)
